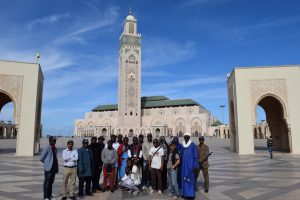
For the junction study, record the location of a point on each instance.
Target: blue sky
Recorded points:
(188, 47)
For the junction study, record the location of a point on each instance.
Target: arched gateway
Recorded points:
(275, 90)
(22, 84)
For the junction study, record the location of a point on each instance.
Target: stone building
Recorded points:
(8, 130)
(134, 114)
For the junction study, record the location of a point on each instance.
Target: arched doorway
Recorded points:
(104, 132)
(7, 125)
(276, 121)
(157, 132)
(130, 134)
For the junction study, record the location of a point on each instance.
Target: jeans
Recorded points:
(271, 151)
(48, 182)
(172, 181)
(146, 174)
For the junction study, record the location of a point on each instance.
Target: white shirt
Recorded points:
(156, 159)
(70, 157)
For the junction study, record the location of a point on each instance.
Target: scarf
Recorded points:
(186, 145)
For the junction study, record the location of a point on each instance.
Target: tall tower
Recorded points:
(129, 97)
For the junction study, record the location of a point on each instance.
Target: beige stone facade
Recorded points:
(22, 84)
(275, 90)
(141, 115)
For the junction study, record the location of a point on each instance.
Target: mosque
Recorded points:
(134, 115)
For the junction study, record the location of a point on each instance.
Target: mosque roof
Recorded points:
(152, 102)
(217, 123)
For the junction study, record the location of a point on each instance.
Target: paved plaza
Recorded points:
(231, 176)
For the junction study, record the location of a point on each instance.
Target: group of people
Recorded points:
(152, 164)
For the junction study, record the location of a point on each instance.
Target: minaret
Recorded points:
(129, 97)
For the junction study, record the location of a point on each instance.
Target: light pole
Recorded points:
(222, 107)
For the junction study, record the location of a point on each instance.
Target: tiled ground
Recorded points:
(231, 177)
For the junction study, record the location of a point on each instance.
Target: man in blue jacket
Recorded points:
(85, 169)
(49, 158)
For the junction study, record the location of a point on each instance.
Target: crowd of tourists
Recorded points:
(153, 165)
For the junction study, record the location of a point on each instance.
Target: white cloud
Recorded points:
(160, 52)
(48, 20)
(85, 24)
(66, 84)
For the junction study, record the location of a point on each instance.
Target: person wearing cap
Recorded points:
(203, 153)
(49, 158)
(156, 160)
(70, 157)
(178, 148)
(172, 170)
(146, 175)
(85, 168)
(189, 166)
(96, 151)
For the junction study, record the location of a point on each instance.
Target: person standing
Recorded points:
(96, 152)
(156, 160)
(146, 175)
(101, 140)
(109, 158)
(178, 148)
(115, 145)
(85, 168)
(189, 166)
(203, 153)
(70, 157)
(172, 170)
(122, 156)
(164, 146)
(270, 146)
(49, 158)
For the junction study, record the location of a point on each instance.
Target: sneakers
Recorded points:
(64, 198)
(206, 190)
(175, 197)
(159, 192)
(144, 187)
(151, 191)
